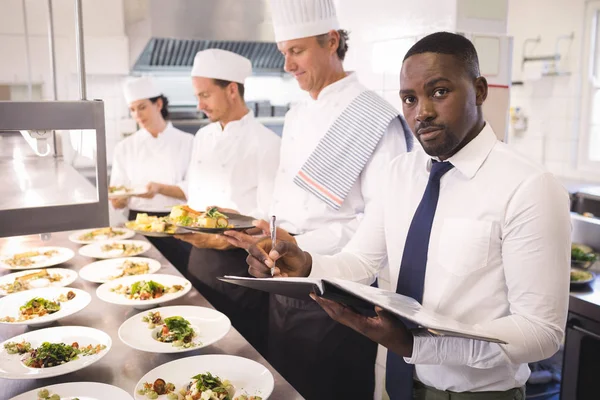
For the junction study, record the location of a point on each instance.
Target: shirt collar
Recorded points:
(470, 158)
(147, 135)
(337, 86)
(235, 124)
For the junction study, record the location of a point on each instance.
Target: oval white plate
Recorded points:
(210, 326)
(94, 250)
(9, 305)
(103, 292)
(62, 256)
(247, 376)
(102, 271)
(75, 236)
(68, 276)
(135, 191)
(11, 366)
(80, 390)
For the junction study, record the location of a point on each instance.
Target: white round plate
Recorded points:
(247, 376)
(9, 305)
(11, 366)
(103, 292)
(94, 250)
(81, 391)
(75, 237)
(103, 271)
(67, 276)
(62, 256)
(136, 191)
(210, 326)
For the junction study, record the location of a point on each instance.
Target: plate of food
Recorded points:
(582, 256)
(144, 291)
(174, 329)
(581, 277)
(88, 236)
(34, 279)
(211, 376)
(35, 258)
(116, 192)
(153, 226)
(210, 221)
(51, 352)
(42, 306)
(115, 268)
(76, 390)
(115, 249)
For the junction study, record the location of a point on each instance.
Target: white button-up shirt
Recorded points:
(233, 167)
(142, 158)
(320, 228)
(498, 258)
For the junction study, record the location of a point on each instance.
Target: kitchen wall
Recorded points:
(552, 104)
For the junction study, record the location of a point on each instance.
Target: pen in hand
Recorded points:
(273, 240)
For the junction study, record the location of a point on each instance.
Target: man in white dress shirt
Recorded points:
(156, 157)
(334, 147)
(233, 165)
(472, 229)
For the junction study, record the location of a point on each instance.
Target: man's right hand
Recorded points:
(120, 203)
(289, 260)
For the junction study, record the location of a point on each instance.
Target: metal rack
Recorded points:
(554, 58)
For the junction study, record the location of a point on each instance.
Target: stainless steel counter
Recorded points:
(122, 366)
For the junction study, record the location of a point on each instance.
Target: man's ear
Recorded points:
(481, 90)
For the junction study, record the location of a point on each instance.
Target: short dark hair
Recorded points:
(164, 111)
(452, 44)
(223, 84)
(342, 46)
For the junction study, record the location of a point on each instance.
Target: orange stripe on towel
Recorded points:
(320, 188)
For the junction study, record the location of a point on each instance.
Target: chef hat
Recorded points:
(221, 64)
(140, 88)
(296, 19)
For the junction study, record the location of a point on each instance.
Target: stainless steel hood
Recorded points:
(164, 36)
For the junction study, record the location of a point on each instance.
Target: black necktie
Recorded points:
(399, 375)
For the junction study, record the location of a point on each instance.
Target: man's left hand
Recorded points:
(385, 329)
(206, 241)
(152, 189)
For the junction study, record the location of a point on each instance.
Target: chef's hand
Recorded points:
(224, 210)
(152, 189)
(262, 229)
(385, 329)
(119, 203)
(205, 241)
(289, 260)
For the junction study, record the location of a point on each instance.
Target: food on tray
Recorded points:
(178, 331)
(579, 276)
(583, 253)
(158, 388)
(127, 249)
(23, 282)
(103, 232)
(115, 189)
(212, 218)
(50, 354)
(130, 267)
(145, 223)
(145, 290)
(38, 307)
(25, 259)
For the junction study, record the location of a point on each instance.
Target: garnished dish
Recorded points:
(188, 217)
(152, 224)
(125, 249)
(21, 281)
(201, 387)
(26, 259)
(582, 256)
(145, 290)
(119, 189)
(104, 233)
(175, 330)
(38, 307)
(76, 391)
(580, 276)
(50, 354)
(40, 257)
(130, 267)
(44, 394)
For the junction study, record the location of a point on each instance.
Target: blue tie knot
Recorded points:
(438, 169)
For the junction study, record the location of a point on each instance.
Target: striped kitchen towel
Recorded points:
(343, 152)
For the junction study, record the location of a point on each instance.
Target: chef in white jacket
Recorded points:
(155, 157)
(334, 148)
(234, 162)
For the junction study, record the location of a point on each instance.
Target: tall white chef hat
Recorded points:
(221, 64)
(296, 19)
(140, 88)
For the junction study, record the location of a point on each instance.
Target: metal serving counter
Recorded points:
(122, 366)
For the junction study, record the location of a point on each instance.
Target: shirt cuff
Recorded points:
(317, 271)
(420, 343)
